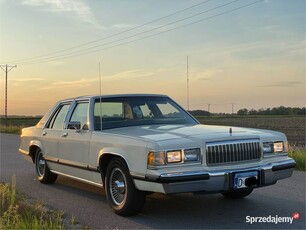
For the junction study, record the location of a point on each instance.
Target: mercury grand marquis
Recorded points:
(133, 145)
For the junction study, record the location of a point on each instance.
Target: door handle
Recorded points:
(44, 133)
(64, 135)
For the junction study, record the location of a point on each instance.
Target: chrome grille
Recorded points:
(233, 151)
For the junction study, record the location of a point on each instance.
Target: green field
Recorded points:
(292, 126)
(20, 121)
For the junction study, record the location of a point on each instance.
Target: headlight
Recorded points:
(278, 147)
(275, 147)
(192, 155)
(174, 156)
(268, 147)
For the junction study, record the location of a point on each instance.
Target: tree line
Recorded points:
(282, 110)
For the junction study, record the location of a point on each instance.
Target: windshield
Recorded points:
(132, 111)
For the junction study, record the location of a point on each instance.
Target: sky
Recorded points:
(246, 53)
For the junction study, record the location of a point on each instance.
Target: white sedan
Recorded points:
(136, 144)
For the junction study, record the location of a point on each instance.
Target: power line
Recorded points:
(131, 36)
(123, 43)
(113, 35)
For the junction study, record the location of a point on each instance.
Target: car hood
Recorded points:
(195, 133)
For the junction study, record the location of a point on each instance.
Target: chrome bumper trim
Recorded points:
(212, 181)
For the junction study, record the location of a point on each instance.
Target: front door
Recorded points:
(74, 143)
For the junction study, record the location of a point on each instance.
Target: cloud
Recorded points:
(69, 84)
(286, 84)
(265, 49)
(81, 83)
(205, 75)
(31, 82)
(130, 74)
(26, 79)
(256, 51)
(75, 7)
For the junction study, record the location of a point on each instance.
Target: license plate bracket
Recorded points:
(241, 178)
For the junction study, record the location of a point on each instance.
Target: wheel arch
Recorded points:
(34, 145)
(105, 158)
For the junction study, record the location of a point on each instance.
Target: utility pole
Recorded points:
(6, 70)
(233, 108)
(208, 108)
(187, 85)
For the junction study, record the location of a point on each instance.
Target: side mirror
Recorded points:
(74, 125)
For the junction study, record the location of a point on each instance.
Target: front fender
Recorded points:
(113, 151)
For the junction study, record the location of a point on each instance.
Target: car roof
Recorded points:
(114, 96)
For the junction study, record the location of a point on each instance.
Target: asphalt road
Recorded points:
(89, 206)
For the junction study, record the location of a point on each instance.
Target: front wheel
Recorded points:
(44, 175)
(237, 194)
(122, 195)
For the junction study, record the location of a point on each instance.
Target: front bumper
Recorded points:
(213, 181)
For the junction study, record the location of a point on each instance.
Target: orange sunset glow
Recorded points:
(247, 53)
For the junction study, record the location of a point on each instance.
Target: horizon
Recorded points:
(210, 113)
(242, 54)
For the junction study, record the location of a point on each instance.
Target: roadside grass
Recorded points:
(10, 129)
(300, 158)
(19, 212)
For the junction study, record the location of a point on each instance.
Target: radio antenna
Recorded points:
(187, 84)
(100, 86)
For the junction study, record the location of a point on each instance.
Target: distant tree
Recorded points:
(261, 112)
(242, 111)
(253, 112)
(199, 113)
(268, 111)
(302, 111)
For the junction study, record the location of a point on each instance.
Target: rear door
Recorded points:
(51, 135)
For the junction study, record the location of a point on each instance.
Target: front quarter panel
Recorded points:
(133, 150)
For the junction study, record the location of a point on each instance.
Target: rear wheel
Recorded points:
(237, 194)
(121, 193)
(44, 175)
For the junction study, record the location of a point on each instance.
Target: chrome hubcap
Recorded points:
(40, 165)
(117, 186)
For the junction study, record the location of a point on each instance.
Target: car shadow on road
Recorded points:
(186, 210)
(67, 185)
(214, 211)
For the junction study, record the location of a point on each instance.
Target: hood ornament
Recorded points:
(230, 131)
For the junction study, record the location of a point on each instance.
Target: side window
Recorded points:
(80, 114)
(58, 119)
(169, 111)
(146, 111)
